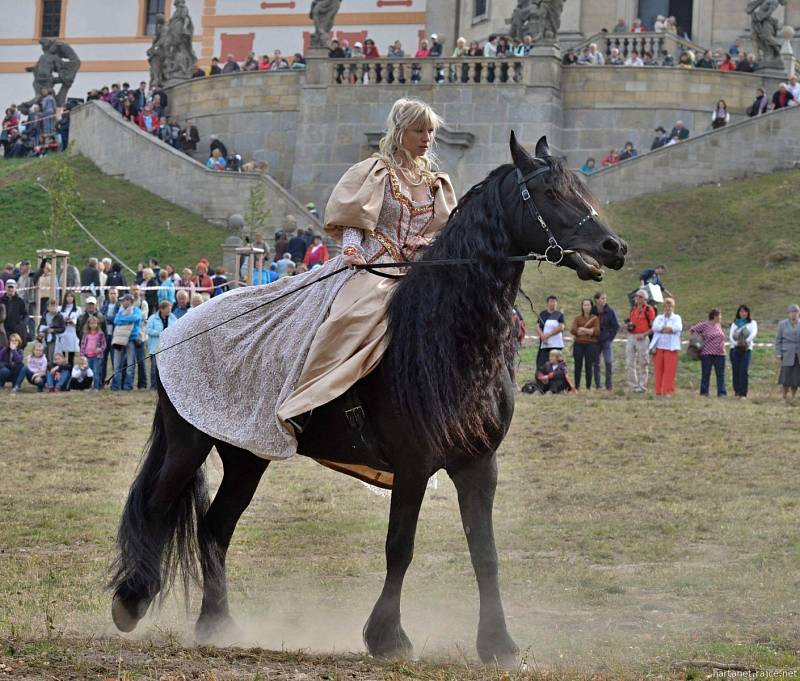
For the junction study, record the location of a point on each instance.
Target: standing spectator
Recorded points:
(197, 300)
(35, 370)
(727, 63)
(140, 339)
(110, 308)
(621, 26)
(15, 312)
(706, 61)
(628, 151)
(214, 69)
(147, 120)
(299, 62)
(189, 138)
(594, 57)
(743, 65)
(49, 107)
(281, 244)
(637, 357)
(742, 333)
(652, 275)
(10, 360)
(585, 334)
(489, 48)
(278, 63)
(660, 25)
(251, 63)
(666, 344)
(115, 277)
(549, 328)
(660, 139)
(370, 50)
(297, 246)
(787, 351)
(589, 167)
(781, 98)
(51, 327)
(712, 354)
(150, 286)
(317, 253)
(181, 306)
(186, 281)
(45, 281)
(794, 88)
(615, 58)
(231, 66)
(155, 326)
(82, 377)
(720, 117)
(26, 287)
(216, 161)
(90, 312)
(202, 282)
(285, 266)
(609, 327)
(611, 159)
(166, 288)
(90, 276)
(126, 330)
(759, 105)
(68, 342)
(220, 282)
(680, 131)
(685, 60)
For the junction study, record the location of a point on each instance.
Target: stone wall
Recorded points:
(121, 149)
(254, 114)
(755, 146)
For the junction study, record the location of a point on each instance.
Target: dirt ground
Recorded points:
(637, 537)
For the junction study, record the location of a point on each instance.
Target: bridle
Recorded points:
(554, 253)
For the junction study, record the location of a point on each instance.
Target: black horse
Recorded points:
(442, 397)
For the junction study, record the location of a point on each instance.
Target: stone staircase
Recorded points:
(122, 149)
(755, 146)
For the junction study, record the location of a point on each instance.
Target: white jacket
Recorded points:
(667, 341)
(752, 326)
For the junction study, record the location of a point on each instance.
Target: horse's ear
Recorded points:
(542, 148)
(520, 157)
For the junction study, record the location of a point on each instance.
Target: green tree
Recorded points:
(257, 209)
(63, 197)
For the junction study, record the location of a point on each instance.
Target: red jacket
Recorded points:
(143, 125)
(203, 283)
(316, 256)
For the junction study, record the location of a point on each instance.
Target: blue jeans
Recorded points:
(8, 374)
(740, 365)
(96, 365)
(124, 360)
(61, 382)
(109, 353)
(607, 352)
(718, 363)
(141, 382)
(24, 373)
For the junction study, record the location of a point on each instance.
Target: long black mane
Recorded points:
(450, 327)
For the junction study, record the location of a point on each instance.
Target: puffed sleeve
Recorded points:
(357, 199)
(444, 201)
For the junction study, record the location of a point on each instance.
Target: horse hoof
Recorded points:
(217, 631)
(126, 615)
(387, 640)
(499, 650)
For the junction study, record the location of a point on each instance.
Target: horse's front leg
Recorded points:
(383, 633)
(475, 481)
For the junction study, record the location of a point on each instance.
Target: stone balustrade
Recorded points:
(428, 71)
(657, 43)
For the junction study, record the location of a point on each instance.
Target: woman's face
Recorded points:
(70, 299)
(793, 316)
(586, 306)
(38, 351)
(418, 138)
(668, 307)
(742, 313)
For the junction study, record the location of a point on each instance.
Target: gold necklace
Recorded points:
(410, 178)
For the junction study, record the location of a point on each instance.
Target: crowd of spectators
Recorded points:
(106, 323)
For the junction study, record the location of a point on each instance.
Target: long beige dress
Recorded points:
(241, 380)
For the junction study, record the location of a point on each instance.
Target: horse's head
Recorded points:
(551, 212)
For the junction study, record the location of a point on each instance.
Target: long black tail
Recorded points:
(156, 544)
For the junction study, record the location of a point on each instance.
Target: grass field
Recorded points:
(637, 537)
(133, 223)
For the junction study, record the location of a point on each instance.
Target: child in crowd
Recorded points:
(51, 327)
(58, 374)
(166, 290)
(93, 348)
(82, 376)
(551, 376)
(34, 370)
(10, 359)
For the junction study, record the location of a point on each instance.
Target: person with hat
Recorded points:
(637, 357)
(311, 207)
(15, 313)
(90, 310)
(660, 139)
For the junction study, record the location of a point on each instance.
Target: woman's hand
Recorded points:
(354, 259)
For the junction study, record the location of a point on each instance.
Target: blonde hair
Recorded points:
(405, 113)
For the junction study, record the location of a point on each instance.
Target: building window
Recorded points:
(51, 18)
(154, 8)
(480, 9)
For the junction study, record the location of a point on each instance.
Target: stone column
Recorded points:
(318, 67)
(627, 10)
(570, 33)
(702, 22)
(793, 13)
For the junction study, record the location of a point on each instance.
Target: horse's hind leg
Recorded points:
(383, 633)
(242, 473)
(475, 481)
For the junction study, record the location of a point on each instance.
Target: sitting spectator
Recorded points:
(198, 73)
(551, 375)
(634, 59)
(10, 360)
(251, 63)
(298, 62)
(82, 377)
(628, 151)
(649, 58)
(727, 63)
(181, 306)
(216, 161)
(231, 66)
(751, 62)
(147, 120)
(214, 69)
(589, 167)
(189, 137)
(156, 325)
(637, 26)
(685, 61)
(667, 59)
(720, 117)
(615, 58)
(594, 57)
(611, 159)
(35, 370)
(621, 26)
(743, 65)
(317, 253)
(706, 61)
(93, 348)
(680, 131)
(58, 374)
(278, 63)
(781, 98)
(570, 58)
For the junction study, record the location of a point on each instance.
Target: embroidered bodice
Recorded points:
(403, 228)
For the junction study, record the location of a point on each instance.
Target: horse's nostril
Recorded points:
(613, 246)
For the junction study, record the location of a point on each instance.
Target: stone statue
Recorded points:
(155, 55)
(764, 31)
(174, 47)
(58, 64)
(540, 19)
(323, 13)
